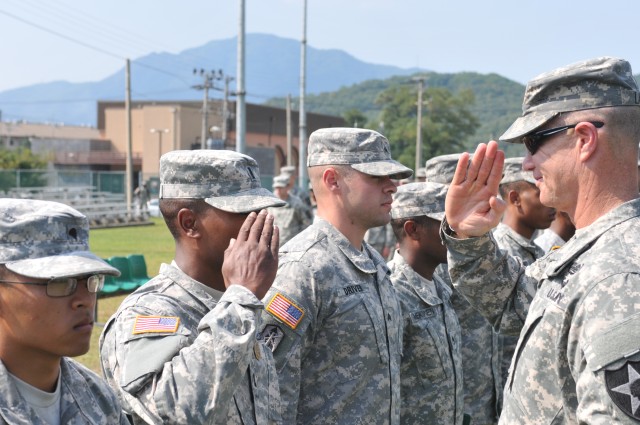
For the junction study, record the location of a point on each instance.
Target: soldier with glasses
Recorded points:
(48, 286)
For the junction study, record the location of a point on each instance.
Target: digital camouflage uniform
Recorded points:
(577, 359)
(381, 237)
(518, 246)
(334, 322)
(210, 369)
(85, 399)
(291, 219)
(481, 353)
(46, 240)
(579, 346)
(338, 355)
(431, 370)
(179, 352)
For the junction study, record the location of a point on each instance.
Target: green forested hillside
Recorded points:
(497, 100)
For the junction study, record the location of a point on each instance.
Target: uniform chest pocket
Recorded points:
(354, 334)
(426, 349)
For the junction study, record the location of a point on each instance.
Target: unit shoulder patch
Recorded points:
(623, 386)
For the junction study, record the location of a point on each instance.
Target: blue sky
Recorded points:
(516, 39)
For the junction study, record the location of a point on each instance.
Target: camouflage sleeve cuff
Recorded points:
(476, 244)
(240, 295)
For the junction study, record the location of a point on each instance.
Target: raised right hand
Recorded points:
(472, 207)
(251, 260)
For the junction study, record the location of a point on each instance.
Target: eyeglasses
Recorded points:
(63, 287)
(533, 141)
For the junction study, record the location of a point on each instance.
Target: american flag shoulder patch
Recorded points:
(148, 324)
(285, 310)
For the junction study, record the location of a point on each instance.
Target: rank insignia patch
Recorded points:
(285, 310)
(623, 386)
(148, 324)
(271, 336)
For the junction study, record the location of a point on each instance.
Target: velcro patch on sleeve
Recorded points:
(151, 324)
(285, 310)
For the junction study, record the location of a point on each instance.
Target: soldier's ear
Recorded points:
(411, 229)
(514, 197)
(330, 179)
(188, 223)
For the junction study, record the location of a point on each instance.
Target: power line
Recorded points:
(56, 33)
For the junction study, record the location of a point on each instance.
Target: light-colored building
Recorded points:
(158, 127)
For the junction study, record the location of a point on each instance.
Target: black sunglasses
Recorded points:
(533, 141)
(63, 287)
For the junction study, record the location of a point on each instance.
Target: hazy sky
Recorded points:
(514, 38)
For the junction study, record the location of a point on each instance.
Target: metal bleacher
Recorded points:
(103, 209)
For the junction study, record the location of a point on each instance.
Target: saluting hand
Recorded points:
(472, 207)
(251, 260)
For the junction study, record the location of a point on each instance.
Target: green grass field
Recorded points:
(154, 242)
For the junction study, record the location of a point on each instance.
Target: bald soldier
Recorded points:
(578, 356)
(182, 348)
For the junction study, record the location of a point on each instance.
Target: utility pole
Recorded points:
(129, 163)
(207, 83)
(302, 180)
(289, 138)
(419, 163)
(225, 109)
(241, 124)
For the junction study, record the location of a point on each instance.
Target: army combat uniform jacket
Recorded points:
(179, 353)
(431, 369)
(518, 246)
(577, 358)
(291, 219)
(85, 399)
(335, 326)
(480, 358)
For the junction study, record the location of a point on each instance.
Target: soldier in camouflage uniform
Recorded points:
(182, 349)
(48, 286)
(480, 345)
(523, 216)
(577, 360)
(296, 190)
(382, 239)
(334, 321)
(431, 369)
(292, 218)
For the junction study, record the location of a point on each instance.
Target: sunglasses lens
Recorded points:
(61, 287)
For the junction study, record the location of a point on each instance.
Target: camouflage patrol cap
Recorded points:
(591, 84)
(45, 240)
(288, 170)
(440, 169)
(513, 172)
(365, 150)
(227, 180)
(419, 199)
(421, 173)
(281, 181)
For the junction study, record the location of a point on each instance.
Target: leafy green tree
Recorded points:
(446, 122)
(354, 117)
(20, 159)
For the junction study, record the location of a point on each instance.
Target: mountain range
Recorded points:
(272, 70)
